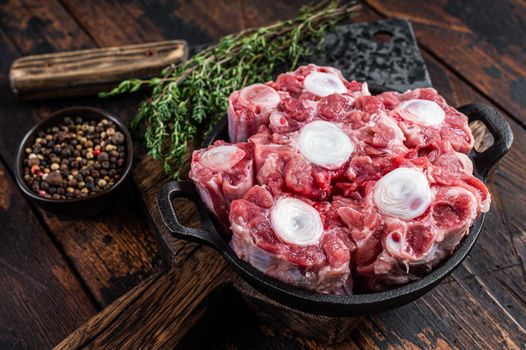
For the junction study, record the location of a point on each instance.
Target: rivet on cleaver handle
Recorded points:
(86, 72)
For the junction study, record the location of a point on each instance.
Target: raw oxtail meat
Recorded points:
(412, 218)
(312, 82)
(249, 108)
(289, 101)
(293, 240)
(425, 117)
(339, 143)
(222, 172)
(303, 162)
(338, 189)
(379, 143)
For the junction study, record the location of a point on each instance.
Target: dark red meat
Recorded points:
(282, 168)
(414, 136)
(455, 127)
(219, 184)
(322, 267)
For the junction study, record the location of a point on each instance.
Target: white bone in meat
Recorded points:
(421, 111)
(296, 222)
(325, 144)
(324, 84)
(403, 193)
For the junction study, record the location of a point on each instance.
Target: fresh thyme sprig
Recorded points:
(188, 99)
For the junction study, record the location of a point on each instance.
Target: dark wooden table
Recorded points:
(56, 273)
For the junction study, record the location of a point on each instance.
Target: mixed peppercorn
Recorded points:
(75, 159)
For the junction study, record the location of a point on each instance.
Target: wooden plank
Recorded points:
(198, 22)
(447, 317)
(112, 252)
(41, 27)
(420, 324)
(87, 72)
(230, 324)
(218, 18)
(42, 300)
(114, 22)
(158, 312)
(483, 41)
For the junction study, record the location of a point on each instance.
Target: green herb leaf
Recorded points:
(190, 98)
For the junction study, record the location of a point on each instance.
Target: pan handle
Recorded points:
(498, 127)
(208, 235)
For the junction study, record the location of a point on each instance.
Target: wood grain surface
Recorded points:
(481, 41)
(112, 253)
(45, 301)
(90, 71)
(160, 310)
(475, 52)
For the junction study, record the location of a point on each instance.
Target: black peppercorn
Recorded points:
(51, 166)
(65, 152)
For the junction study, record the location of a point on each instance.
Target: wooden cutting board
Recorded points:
(198, 270)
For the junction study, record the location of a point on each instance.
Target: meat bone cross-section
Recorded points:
(294, 240)
(222, 172)
(411, 219)
(293, 94)
(329, 188)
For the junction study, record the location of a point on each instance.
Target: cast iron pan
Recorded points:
(335, 305)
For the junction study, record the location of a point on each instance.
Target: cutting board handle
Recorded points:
(91, 71)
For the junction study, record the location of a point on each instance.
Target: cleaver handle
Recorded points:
(86, 72)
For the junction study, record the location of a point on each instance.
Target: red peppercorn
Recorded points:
(74, 160)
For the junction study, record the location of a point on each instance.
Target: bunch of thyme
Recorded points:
(188, 99)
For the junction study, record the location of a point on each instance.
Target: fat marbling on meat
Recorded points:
(222, 172)
(425, 117)
(337, 189)
(293, 240)
(412, 218)
(289, 95)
